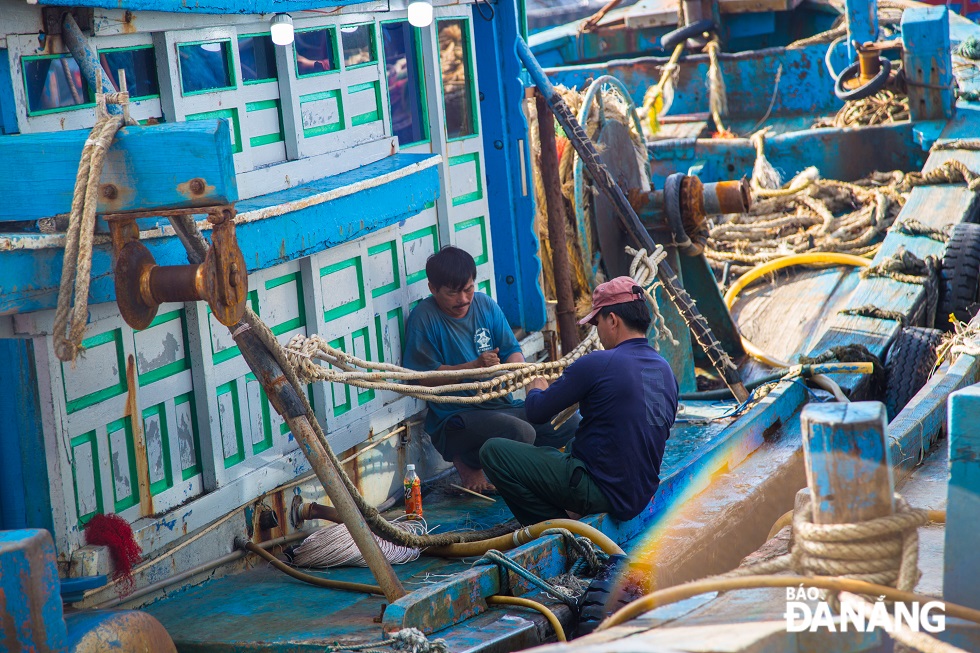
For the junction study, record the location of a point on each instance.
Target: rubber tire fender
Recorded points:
(909, 365)
(876, 84)
(670, 40)
(959, 284)
(598, 601)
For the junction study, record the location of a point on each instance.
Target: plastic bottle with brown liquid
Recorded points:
(413, 493)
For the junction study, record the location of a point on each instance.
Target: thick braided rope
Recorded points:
(498, 380)
(79, 239)
(950, 172)
(643, 269)
(883, 550)
(411, 640)
(717, 96)
(77, 262)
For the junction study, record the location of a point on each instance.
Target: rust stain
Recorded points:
(195, 188)
(139, 442)
(129, 23)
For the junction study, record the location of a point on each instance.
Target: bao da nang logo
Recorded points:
(801, 616)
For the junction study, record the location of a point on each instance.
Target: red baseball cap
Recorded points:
(617, 291)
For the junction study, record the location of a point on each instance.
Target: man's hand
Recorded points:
(537, 383)
(487, 359)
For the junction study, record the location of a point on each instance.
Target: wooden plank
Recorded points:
(652, 13)
(962, 565)
(755, 6)
(141, 164)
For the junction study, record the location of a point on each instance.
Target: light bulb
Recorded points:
(419, 13)
(281, 29)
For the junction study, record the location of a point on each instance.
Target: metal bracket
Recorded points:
(142, 285)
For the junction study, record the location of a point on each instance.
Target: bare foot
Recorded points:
(473, 479)
(573, 515)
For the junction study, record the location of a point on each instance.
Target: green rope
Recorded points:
(968, 49)
(870, 310)
(494, 557)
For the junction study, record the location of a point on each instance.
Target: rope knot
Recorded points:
(414, 640)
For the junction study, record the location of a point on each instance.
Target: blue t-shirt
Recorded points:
(433, 339)
(627, 396)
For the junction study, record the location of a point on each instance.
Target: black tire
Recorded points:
(958, 288)
(598, 602)
(909, 364)
(876, 84)
(670, 40)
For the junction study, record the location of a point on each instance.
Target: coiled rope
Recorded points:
(411, 640)
(333, 546)
(71, 313)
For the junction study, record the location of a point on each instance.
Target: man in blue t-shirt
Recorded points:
(627, 395)
(457, 328)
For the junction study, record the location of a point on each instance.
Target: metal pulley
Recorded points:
(142, 285)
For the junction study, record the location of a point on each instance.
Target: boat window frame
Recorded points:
(423, 96)
(229, 60)
(332, 29)
(467, 20)
(256, 82)
(25, 59)
(156, 73)
(373, 32)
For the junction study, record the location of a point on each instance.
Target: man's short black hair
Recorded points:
(635, 315)
(450, 267)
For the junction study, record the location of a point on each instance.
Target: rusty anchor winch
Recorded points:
(142, 285)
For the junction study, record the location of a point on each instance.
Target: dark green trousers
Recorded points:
(540, 483)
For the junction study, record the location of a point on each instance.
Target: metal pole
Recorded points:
(287, 403)
(632, 225)
(567, 327)
(87, 59)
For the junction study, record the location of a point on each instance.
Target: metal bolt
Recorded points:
(110, 192)
(482, 96)
(509, 279)
(499, 145)
(197, 186)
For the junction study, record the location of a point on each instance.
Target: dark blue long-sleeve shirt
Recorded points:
(627, 396)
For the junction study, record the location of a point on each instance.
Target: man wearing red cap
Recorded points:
(627, 396)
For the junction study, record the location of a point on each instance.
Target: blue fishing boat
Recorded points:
(178, 178)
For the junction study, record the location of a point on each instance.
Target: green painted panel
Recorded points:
(160, 412)
(364, 395)
(266, 441)
(391, 248)
(109, 337)
(239, 455)
(89, 441)
(231, 115)
(426, 232)
(327, 128)
(128, 454)
(175, 367)
(345, 406)
(375, 113)
(473, 195)
(379, 328)
(476, 223)
(218, 357)
(300, 319)
(266, 139)
(484, 287)
(353, 305)
(188, 437)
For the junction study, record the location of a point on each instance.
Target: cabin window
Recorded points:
(359, 46)
(206, 67)
(258, 56)
(457, 78)
(54, 83)
(316, 51)
(406, 89)
(140, 66)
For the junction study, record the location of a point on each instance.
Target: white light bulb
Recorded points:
(419, 13)
(281, 29)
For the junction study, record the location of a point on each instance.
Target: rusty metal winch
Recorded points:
(142, 285)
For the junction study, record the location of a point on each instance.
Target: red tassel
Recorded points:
(115, 532)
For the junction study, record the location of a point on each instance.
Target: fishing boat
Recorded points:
(325, 153)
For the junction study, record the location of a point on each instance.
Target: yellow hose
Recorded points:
(686, 591)
(810, 258)
(534, 605)
(523, 536)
